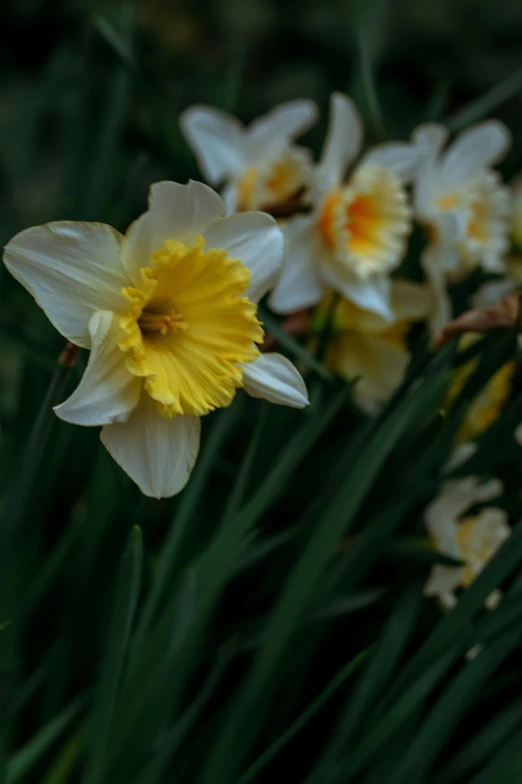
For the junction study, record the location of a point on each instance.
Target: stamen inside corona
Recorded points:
(188, 330)
(160, 316)
(365, 223)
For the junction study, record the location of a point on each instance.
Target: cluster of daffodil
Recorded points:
(354, 213)
(169, 311)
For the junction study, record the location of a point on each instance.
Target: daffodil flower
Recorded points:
(472, 539)
(355, 235)
(463, 204)
(168, 312)
(367, 347)
(259, 165)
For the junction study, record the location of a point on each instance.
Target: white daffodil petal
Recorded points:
(455, 498)
(72, 270)
(490, 293)
(430, 138)
(274, 378)
(474, 149)
(272, 132)
(229, 196)
(176, 212)
(256, 240)
(299, 285)
(107, 392)
(401, 158)
(461, 454)
(373, 294)
(217, 139)
(443, 582)
(157, 453)
(343, 140)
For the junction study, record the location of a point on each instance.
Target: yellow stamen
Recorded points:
(169, 321)
(364, 223)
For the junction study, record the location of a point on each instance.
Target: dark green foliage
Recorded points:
(271, 622)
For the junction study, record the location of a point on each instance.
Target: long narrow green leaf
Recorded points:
(378, 671)
(499, 770)
(456, 701)
(26, 758)
(470, 603)
(487, 103)
(384, 730)
(124, 608)
(483, 745)
(337, 518)
(169, 557)
(336, 682)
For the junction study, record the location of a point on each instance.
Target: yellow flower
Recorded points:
(356, 232)
(366, 346)
(473, 539)
(487, 406)
(168, 312)
(259, 165)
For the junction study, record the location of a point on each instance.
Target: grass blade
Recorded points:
(124, 608)
(250, 774)
(22, 761)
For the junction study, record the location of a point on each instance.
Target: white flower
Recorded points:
(356, 233)
(259, 165)
(490, 293)
(464, 205)
(474, 539)
(169, 314)
(367, 347)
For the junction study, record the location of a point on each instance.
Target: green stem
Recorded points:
(328, 327)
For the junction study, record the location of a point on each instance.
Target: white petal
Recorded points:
(157, 453)
(176, 212)
(217, 139)
(107, 392)
(490, 293)
(299, 285)
(270, 134)
(401, 158)
(274, 378)
(373, 294)
(442, 582)
(430, 139)
(476, 148)
(257, 241)
(72, 270)
(229, 196)
(343, 139)
(460, 455)
(455, 498)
